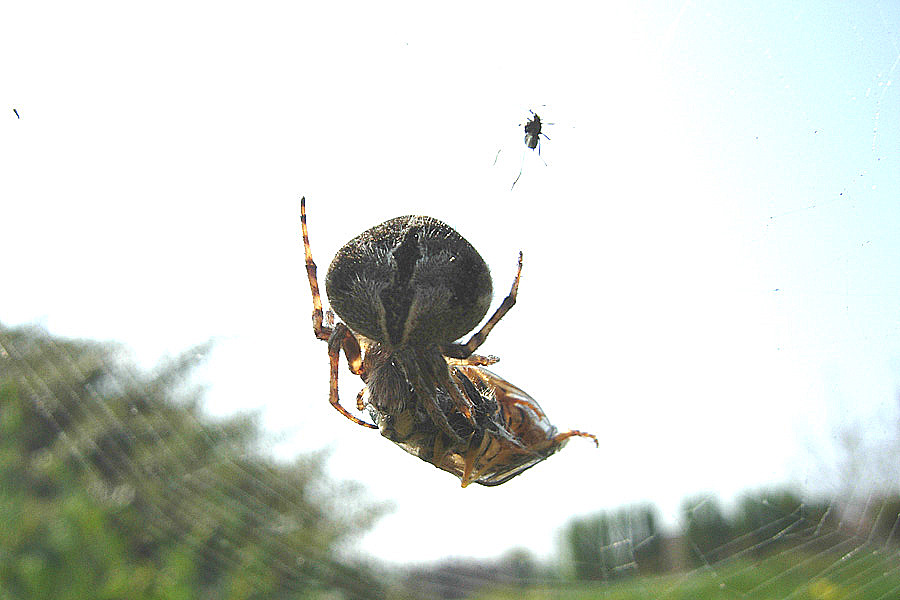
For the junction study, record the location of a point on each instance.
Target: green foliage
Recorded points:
(610, 545)
(767, 521)
(884, 513)
(867, 575)
(520, 565)
(706, 529)
(114, 484)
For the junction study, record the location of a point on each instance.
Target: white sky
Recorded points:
(712, 263)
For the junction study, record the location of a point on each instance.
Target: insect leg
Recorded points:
(466, 350)
(521, 166)
(441, 451)
(539, 150)
(321, 332)
(338, 340)
(469, 473)
(560, 437)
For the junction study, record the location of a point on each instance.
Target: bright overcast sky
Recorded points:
(712, 258)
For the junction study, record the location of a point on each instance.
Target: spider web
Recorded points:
(825, 527)
(192, 480)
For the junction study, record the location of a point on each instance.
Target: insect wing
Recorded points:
(512, 433)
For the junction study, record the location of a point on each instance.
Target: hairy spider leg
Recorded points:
(475, 360)
(426, 394)
(461, 402)
(338, 336)
(321, 332)
(466, 350)
(342, 337)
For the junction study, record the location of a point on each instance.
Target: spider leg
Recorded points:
(338, 336)
(322, 332)
(475, 360)
(342, 337)
(461, 402)
(426, 395)
(466, 350)
(437, 371)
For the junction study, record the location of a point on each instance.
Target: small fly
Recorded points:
(533, 135)
(533, 132)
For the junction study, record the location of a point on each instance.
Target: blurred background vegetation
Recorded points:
(115, 484)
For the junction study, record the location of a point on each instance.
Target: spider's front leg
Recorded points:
(342, 337)
(473, 360)
(338, 336)
(459, 351)
(321, 331)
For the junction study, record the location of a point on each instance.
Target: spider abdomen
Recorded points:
(409, 281)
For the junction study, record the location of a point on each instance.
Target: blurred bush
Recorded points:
(114, 484)
(609, 545)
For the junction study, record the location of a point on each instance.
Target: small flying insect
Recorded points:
(406, 290)
(533, 132)
(533, 135)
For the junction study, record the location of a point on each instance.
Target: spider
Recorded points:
(406, 289)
